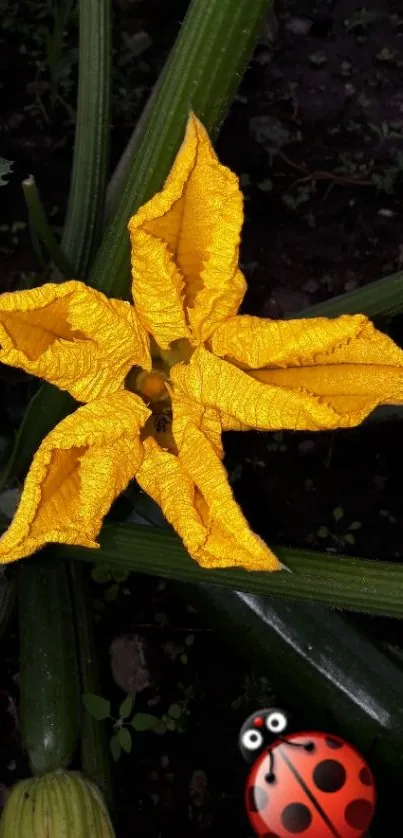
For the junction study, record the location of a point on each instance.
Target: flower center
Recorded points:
(151, 385)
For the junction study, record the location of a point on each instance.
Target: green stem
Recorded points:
(119, 178)
(382, 298)
(85, 209)
(39, 222)
(95, 760)
(338, 581)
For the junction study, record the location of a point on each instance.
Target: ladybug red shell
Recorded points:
(310, 784)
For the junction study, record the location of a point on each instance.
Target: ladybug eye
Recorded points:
(276, 722)
(252, 740)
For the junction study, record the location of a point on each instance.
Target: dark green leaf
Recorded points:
(126, 706)
(125, 739)
(97, 706)
(175, 711)
(144, 721)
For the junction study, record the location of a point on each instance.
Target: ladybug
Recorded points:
(309, 783)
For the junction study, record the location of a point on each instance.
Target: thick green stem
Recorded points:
(383, 298)
(85, 209)
(95, 760)
(339, 581)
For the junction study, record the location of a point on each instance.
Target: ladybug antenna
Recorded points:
(307, 746)
(270, 776)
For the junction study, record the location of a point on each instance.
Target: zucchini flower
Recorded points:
(158, 381)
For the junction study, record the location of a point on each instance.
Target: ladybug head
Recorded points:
(260, 730)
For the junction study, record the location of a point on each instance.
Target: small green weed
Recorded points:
(126, 721)
(343, 535)
(115, 576)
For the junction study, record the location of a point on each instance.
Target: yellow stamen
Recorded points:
(151, 385)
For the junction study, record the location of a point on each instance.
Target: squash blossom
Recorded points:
(161, 379)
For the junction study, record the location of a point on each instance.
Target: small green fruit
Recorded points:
(62, 804)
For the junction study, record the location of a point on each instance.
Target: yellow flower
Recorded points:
(160, 380)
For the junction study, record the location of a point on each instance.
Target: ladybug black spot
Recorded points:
(366, 777)
(333, 743)
(270, 778)
(358, 814)
(257, 799)
(329, 775)
(296, 818)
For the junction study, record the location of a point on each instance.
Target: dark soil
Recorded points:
(316, 134)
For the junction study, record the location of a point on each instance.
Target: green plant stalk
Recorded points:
(203, 71)
(39, 222)
(95, 760)
(382, 298)
(85, 209)
(120, 175)
(338, 581)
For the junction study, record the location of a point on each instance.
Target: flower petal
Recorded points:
(324, 374)
(194, 494)
(185, 244)
(76, 474)
(73, 336)
(254, 342)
